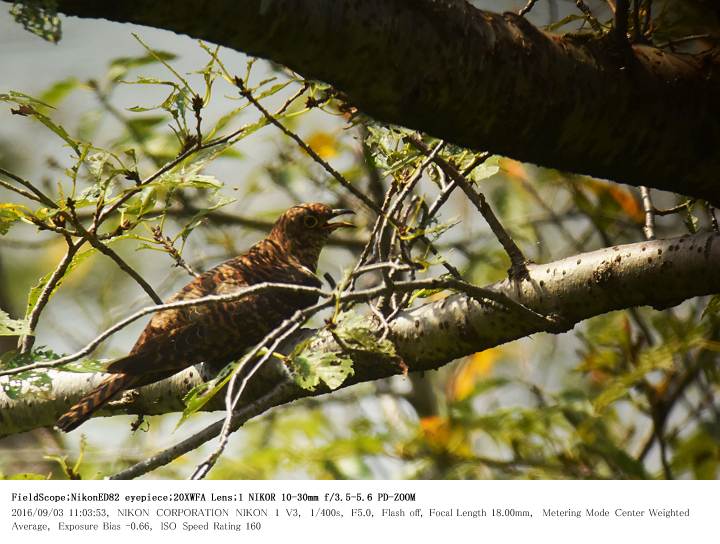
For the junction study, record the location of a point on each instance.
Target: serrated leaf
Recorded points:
(35, 382)
(17, 97)
(432, 232)
(196, 219)
(27, 108)
(312, 368)
(202, 393)
(360, 334)
(9, 214)
(564, 21)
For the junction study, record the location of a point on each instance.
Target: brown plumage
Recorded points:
(219, 333)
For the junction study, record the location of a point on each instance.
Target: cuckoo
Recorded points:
(221, 332)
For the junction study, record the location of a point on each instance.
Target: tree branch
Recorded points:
(660, 273)
(480, 79)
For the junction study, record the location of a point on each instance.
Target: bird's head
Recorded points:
(304, 229)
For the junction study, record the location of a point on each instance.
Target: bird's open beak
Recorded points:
(339, 224)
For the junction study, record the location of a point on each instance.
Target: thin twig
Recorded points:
(170, 165)
(517, 259)
(555, 218)
(529, 6)
(21, 192)
(26, 342)
(91, 237)
(41, 197)
(171, 250)
(274, 397)
(384, 241)
(235, 417)
(589, 17)
(649, 228)
(210, 299)
(356, 296)
(675, 209)
(685, 39)
(125, 267)
(245, 92)
(232, 398)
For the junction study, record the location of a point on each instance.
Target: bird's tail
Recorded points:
(81, 412)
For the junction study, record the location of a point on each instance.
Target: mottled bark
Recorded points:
(659, 273)
(636, 115)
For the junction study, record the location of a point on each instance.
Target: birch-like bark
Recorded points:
(658, 273)
(632, 114)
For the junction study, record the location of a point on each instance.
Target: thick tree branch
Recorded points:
(659, 273)
(637, 115)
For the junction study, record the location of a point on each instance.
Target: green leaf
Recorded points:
(25, 476)
(201, 394)
(424, 293)
(331, 368)
(37, 289)
(39, 17)
(692, 222)
(9, 214)
(13, 327)
(143, 127)
(55, 94)
(121, 66)
(431, 232)
(27, 108)
(564, 21)
(30, 382)
(699, 453)
(85, 366)
(358, 333)
(141, 203)
(197, 219)
(657, 358)
(486, 170)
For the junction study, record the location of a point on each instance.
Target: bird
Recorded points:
(218, 333)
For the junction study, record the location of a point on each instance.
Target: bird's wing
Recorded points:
(178, 348)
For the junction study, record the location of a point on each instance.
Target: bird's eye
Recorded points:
(310, 221)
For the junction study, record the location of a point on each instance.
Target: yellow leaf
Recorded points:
(476, 367)
(442, 436)
(622, 196)
(323, 144)
(627, 202)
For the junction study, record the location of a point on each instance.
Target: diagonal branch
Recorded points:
(517, 259)
(481, 79)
